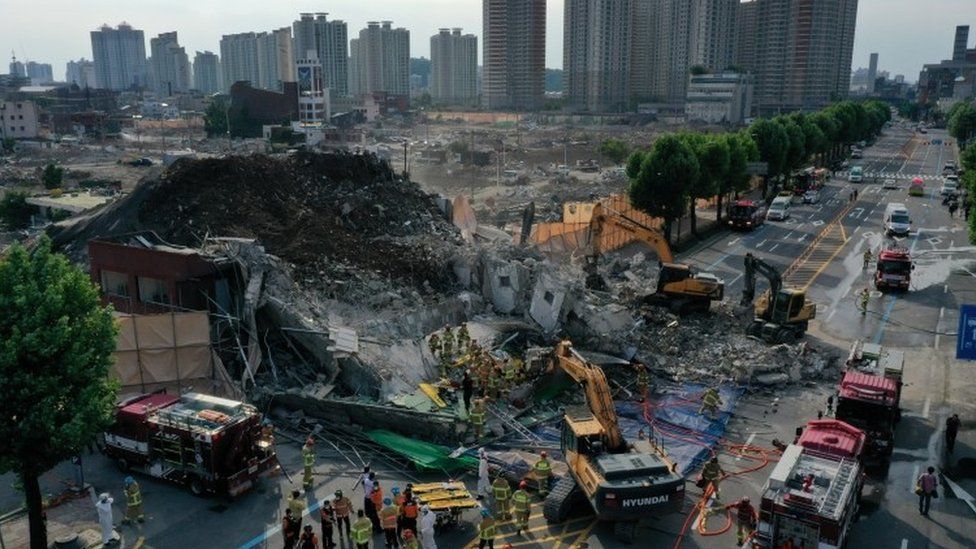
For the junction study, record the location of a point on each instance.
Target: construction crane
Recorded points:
(623, 481)
(781, 314)
(678, 288)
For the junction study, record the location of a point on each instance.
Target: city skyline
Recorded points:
(882, 26)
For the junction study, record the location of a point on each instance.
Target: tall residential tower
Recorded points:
(120, 57)
(514, 54)
(454, 68)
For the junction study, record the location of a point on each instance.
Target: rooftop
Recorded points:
(812, 484)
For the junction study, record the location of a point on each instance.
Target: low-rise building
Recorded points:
(19, 120)
(722, 98)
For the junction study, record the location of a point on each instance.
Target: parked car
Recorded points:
(779, 210)
(950, 187)
(812, 196)
(890, 183)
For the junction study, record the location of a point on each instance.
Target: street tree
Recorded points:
(712, 153)
(616, 150)
(662, 178)
(742, 150)
(56, 343)
(962, 123)
(772, 140)
(53, 176)
(15, 212)
(215, 117)
(796, 153)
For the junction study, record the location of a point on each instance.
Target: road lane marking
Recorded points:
(787, 237)
(904, 543)
(734, 240)
(927, 407)
(802, 237)
(761, 243)
(938, 326)
(914, 477)
(748, 442)
(831, 315)
(774, 246)
(734, 280)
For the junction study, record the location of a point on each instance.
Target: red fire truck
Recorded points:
(209, 444)
(870, 403)
(812, 496)
(746, 214)
(894, 270)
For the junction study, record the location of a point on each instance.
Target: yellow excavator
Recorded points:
(678, 288)
(781, 314)
(623, 481)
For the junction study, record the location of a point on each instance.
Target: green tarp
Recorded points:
(424, 455)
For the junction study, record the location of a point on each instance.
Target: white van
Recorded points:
(779, 209)
(896, 220)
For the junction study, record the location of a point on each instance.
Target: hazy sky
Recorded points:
(906, 33)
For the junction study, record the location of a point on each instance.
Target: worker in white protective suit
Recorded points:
(427, 521)
(103, 504)
(484, 483)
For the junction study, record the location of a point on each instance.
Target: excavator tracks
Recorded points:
(560, 500)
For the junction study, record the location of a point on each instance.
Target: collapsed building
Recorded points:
(323, 276)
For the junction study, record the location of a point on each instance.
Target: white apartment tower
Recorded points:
(454, 68)
(596, 54)
(120, 57)
(275, 59)
(206, 72)
(514, 54)
(81, 73)
(330, 41)
(379, 60)
(170, 65)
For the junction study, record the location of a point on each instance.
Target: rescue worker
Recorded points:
(865, 298)
(327, 515)
(447, 345)
(308, 457)
(867, 258)
(288, 529)
(362, 530)
(477, 417)
(376, 501)
(369, 483)
(410, 542)
(542, 470)
(388, 520)
(463, 338)
(510, 374)
(308, 539)
(486, 530)
(712, 473)
(297, 506)
(434, 344)
(951, 432)
(746, 518)
(103, 504)
(343, 508)
(523, 506)
(133, 501)
(467, 389)
(427, 521)
(484, 483)
(711, 402)
(493, 382)
(643, 380)
(409, 512)
(503, 494)
(398, 500)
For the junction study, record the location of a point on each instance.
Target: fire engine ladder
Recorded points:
(170, 448)
(509, 421)
(838, 487)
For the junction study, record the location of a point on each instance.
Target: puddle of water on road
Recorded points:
(930, 271)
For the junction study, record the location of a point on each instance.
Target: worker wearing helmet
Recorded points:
(486, 530)
(711, 402)
(427, 521)
(502, 493)
(398, 499)
(542, 471)
(523, 506)
(712, 473)
(477, 417)
(327, 516)
(410, 542)
(343, 509)
(409, 512)
(297, 506)
(746, 518)
(388, 520)
(865, 299)
(308, 457)
(133, 501)
(362, 530)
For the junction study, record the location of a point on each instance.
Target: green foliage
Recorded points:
(15, 212)
(616, 150)
(664, 178)
(968, 158)
(56, 343)
(458, 147)
(215, 117)
(53, 176)
(773, 143)
(962, 121)
(697, 70)
(742, 150)
(796, 153)
(7, 145)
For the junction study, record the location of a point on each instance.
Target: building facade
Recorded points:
(950, 81)
(119, 55)
(596, 54)
(313, 97)
(330, 42)
(379, 60)
(801, 57)
(18, 120)
(720, 98)
(17, 68)
(239, 59)
(454, 68)
(170, 65)
(276, 58)
(80, 73)
(39, 73)
(206, 72)
(513, 54)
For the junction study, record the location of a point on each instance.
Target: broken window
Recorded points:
(153, 290)
(505, 281)
(549, 297)
(116, 284)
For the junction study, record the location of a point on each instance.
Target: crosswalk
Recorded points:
(892, 175)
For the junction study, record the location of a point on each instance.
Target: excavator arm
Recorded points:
(597, 390)
(753, 265)
(604, 220)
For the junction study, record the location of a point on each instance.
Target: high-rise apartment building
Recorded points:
(513, 54)
(330, 41)
(80, 73)
(959, 43)
(239, 59)
(872, 72)
(801, 58)
(276, 59)
(454, 68)
(120, 57)
(206, 72)
(379, 60)
(39, 73)
(713, 38)
(596, 54)
(170, 65)
(17, 68)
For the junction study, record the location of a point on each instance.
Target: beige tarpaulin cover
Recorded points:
(162, 350)
(573, 233)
